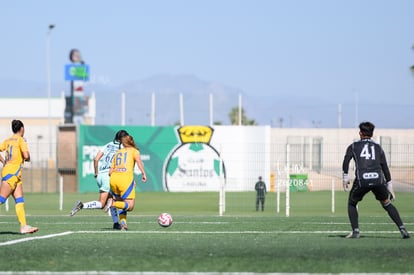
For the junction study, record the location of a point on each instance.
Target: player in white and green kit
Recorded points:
(102, 163)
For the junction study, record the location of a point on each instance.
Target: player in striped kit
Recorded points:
(102, 163)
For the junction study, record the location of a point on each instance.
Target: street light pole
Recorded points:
(49, 88)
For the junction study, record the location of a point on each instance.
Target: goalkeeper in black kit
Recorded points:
(371, 174)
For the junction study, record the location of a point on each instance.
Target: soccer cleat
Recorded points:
(108, 205)
(353, 235)
(117, 226)
(77, 208)
(28, 229)
(124, 226)
(404, 233)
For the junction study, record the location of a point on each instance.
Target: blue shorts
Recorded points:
(103, 181)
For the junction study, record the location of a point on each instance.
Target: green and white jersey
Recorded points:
(108, 151)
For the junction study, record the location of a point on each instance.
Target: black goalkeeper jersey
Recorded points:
(370, 162)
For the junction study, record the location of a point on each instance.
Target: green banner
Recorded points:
(298, 182)
(154, 143)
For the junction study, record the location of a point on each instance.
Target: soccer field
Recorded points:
(311, 240)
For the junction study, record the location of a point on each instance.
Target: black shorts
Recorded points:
(358, 192)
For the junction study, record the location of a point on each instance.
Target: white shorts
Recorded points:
(103, 181)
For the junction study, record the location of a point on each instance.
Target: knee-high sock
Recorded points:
(21, 215)
(124, 208)
(122, 216)
(394, 215)
(353, 215)
(92, 205)
(114, 214)
(2, 200)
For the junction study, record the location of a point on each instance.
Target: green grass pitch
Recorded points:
(310, 240)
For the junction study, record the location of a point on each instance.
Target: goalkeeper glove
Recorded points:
(345, 181)
(391, 190)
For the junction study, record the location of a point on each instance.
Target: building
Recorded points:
(42, 118)
(40, 122)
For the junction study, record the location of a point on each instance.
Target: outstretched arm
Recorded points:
(96, 162)
(345, 168)
(138, 161)
(347, 159)
(385, 168)
(26, 156)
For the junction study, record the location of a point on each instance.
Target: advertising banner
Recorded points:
(298, 182)
(154, 144)
(185, 159)
(75, 72)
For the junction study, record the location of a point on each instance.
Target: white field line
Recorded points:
(129, 222)
(218, 223)
(166, 231)
(173, 273)
(342, 223)
(36, 238)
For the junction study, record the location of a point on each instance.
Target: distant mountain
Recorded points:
(22, 88)
(167, 89)
(278, 110)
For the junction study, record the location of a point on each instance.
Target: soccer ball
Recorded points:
(165, 220)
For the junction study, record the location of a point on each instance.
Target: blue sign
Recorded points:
(77, 72)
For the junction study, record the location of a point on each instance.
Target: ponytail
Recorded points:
(128, 141)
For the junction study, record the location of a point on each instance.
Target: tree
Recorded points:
(234, 117)
(412, 67)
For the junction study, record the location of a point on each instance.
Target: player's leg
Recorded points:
(18, 197)
(104, 185)
(126, 203)
(124, 206)
(355, 195)
(127, 196)
(263, 202)
(382, 195)
(103, 196)
(5, 191)
(257, 203)
(115, 217)
(353, 218)
(93, 204)
(395, 216)
(78, 206)
(20, 211)
(89, 205)
(123, 219)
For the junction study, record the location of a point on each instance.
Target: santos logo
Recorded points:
(194, 165)
(371, 175)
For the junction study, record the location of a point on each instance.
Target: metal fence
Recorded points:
(319, 161)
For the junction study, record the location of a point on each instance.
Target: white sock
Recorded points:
(114, 214)
(92, 205)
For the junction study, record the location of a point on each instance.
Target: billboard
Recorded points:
(75, 72)
(184, 159)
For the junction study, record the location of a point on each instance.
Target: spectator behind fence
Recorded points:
(260, 193)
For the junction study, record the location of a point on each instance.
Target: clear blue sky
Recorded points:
(325, 48)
